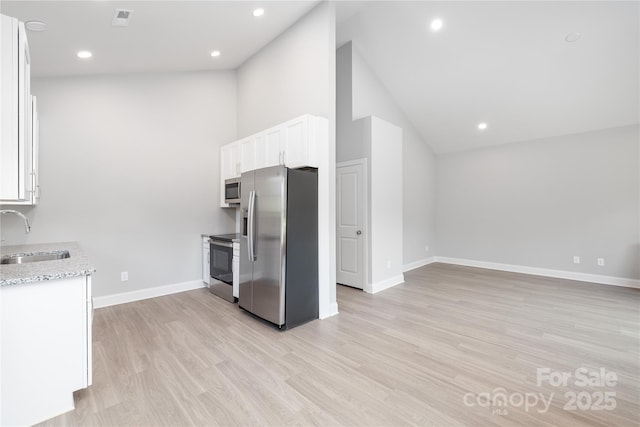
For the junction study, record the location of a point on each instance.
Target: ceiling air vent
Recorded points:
(121, 17)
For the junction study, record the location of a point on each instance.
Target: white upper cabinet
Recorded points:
(18, 122)
(247, 154)
(271, 150)
(230, 156)
(293, 144)
(299, 148)
(35, 150)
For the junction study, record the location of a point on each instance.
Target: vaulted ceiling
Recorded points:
(505, 63)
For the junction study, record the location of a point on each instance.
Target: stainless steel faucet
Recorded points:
(27, 226)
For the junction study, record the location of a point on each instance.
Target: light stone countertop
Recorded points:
(15, 274)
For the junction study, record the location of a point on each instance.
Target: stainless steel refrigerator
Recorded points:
(279, 245)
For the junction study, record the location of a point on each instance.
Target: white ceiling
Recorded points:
(161, 36)
(503, 63)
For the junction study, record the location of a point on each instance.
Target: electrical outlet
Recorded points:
(576, 259)
(124, 276)
(426, 248)
(388, 263)
(601, 262)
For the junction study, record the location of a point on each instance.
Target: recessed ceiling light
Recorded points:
(36, 26)
(573, 37)
(436, 24)
(84, 54)
(482, 126)
(215, 53)
(258, 12)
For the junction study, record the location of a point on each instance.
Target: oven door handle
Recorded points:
(220, 243)
(251, 226)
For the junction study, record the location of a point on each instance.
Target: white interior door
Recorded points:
(351, 233)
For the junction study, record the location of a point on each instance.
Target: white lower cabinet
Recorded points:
(205, 260)
(46, 348)
(236, 269)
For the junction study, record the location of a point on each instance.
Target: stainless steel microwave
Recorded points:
(232, 190)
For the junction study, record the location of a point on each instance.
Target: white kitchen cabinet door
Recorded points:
(46, 343)
(225, 161)
(35, 150)
(230, 160)
(302, 138)
(15, 113)
(32, 192)
(24, 122)
(89, 335)
(295, 146)
(247, 154)
(9, 107)
(271, 153)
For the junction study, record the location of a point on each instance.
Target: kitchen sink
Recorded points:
(35, 257)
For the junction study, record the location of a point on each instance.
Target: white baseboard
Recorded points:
(559, 274)
(417, 264)
(384, 284)
(333, 310)
(141, 294)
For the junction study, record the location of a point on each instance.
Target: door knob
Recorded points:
(359, 232)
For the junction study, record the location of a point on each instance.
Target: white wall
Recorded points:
(364, 95)
(290, 76)
(294, 75)
(129, 168)
(385, 201)
(539, 203)
(350, 143)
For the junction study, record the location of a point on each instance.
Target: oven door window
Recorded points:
(221, 262)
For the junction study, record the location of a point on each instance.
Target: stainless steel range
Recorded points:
(221, 265)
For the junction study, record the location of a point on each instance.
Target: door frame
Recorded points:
(365, 217)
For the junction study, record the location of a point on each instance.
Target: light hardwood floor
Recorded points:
(410, 355)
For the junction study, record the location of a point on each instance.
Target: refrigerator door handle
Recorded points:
(251, 226)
